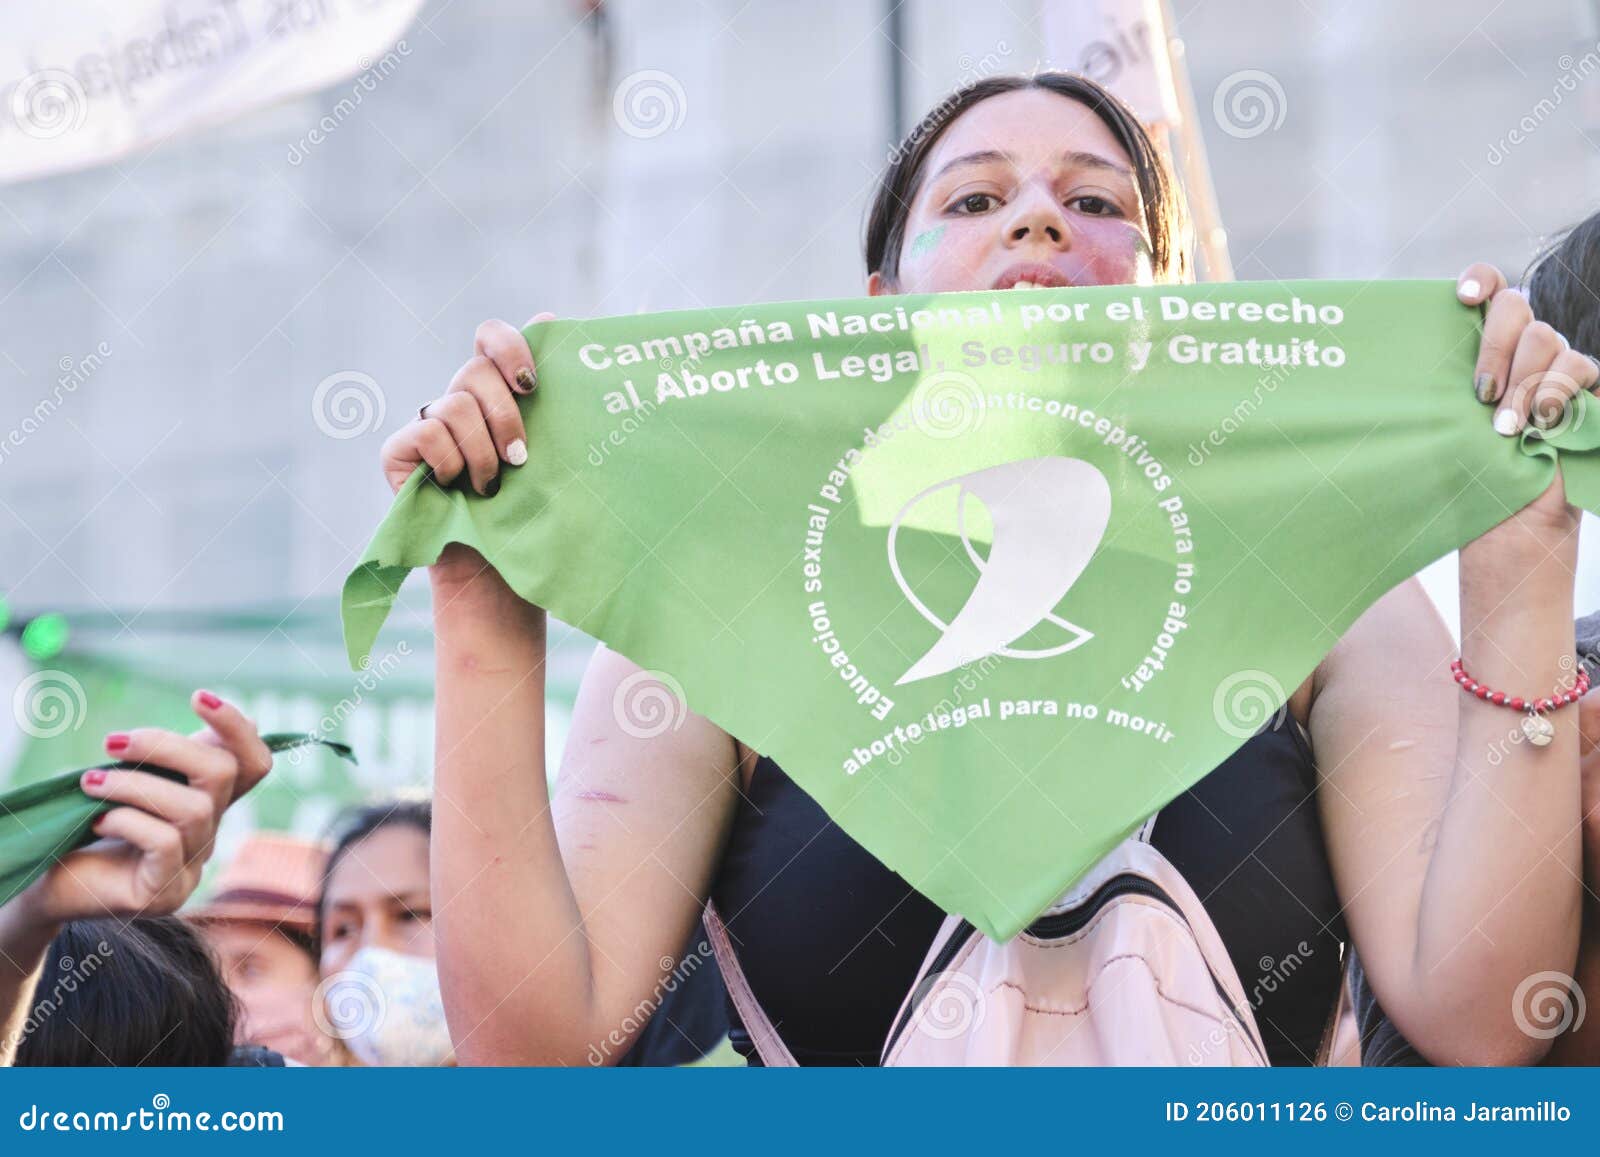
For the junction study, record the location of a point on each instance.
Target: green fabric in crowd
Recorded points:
(43, 821)
(993, 576)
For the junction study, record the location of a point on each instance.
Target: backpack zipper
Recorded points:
(1061, 924)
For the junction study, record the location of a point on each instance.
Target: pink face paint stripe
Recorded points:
(601, 797)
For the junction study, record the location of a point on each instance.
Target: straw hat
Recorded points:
(274, 878)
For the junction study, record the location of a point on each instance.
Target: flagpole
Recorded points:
(1210, 236)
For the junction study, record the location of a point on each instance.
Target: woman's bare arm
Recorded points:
(1454, 848)
(557, 920)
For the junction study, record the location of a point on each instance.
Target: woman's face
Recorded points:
(1027, 186)
(274, 981)
(378, 897)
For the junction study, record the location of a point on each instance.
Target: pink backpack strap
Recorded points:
(769, 1045)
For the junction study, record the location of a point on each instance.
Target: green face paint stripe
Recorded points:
(1011, 573)
(926, 240)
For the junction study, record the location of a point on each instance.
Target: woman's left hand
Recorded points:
(1530, 374)
(157, 839)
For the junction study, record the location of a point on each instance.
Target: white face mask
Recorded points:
(386, 1008)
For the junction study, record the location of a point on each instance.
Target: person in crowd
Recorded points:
(93, 967)
(1454, 876)
(375, 922)
(261, 924)
(375, 943)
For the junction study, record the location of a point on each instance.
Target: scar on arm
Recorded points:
(601, 797)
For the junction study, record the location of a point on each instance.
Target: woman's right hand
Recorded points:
(475, 426)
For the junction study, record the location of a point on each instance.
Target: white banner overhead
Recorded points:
(1120, 43)
(83, 82)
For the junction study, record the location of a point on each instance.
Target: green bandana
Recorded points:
(44, 821)
(993, 576)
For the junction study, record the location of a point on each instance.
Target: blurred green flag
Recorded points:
(993, 576)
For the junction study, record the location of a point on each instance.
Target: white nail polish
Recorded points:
(1505, 422)
(517, 452)
(1469, 287)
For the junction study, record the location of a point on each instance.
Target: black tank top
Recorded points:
(831, 940)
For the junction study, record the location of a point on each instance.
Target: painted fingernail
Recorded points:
(492, 487)
(210, 701)
(117, 741)
(1469, 287)
(1483, 386)
(517, 452)
(527, 379)
(1505, 422)
(94, 778)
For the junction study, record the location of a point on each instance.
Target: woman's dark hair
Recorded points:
(1564, 285)
(140, 992)
(1165, 213)
(353, 825)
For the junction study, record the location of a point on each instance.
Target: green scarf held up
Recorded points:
(993, 576)
(43, 821)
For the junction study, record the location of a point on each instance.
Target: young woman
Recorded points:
(1457, 875)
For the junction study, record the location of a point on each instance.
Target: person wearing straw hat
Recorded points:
(261, 923)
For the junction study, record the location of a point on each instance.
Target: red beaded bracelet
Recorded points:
(1539, 730)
